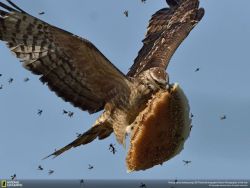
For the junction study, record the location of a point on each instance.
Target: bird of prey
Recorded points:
(79, 73)
(1, 75)
(186, 162)
(40, 167)
(143, 1)
(125, 13)
(112, 148)
(13, 177)
(1, 86)
(192, 115)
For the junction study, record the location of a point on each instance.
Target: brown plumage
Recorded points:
(71, 66)
(167, 28)
(79, 73)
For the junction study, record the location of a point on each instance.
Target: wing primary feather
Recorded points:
(200, 14)
(6, 7)
(62, 58)
(172, 3)
(167, 28)
(15, 6)
(3, 13)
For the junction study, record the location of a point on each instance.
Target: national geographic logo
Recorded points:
(10, 183)
(3, 183)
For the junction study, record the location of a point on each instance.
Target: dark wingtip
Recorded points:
(172, 3)
(6, 7)
(15, 6)
(200, 14)
(53, 155)
(48, 157)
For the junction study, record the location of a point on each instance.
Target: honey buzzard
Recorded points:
(79, 73)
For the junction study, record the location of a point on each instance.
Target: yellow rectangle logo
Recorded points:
(3, 183)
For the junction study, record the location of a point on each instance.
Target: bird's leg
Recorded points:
(105, 117)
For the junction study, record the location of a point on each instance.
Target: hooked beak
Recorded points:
(163, 84)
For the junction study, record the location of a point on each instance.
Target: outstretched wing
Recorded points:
(71, 66)
(167, 28)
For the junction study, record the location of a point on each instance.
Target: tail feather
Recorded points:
(100, 130)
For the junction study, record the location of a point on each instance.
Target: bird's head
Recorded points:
(159, 76)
